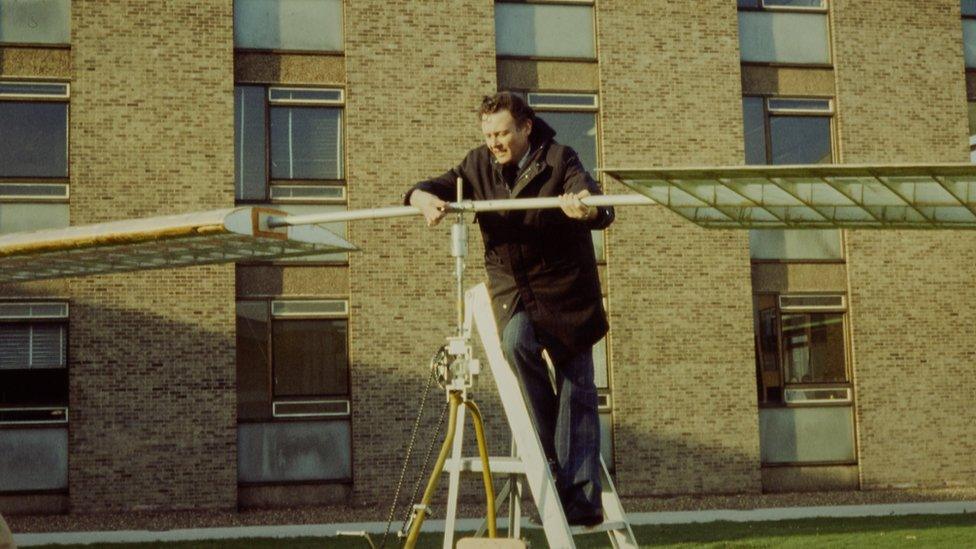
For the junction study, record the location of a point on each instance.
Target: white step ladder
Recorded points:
(530, 464)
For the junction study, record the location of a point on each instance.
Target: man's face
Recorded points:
(505, 139)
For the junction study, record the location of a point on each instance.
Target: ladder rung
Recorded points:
(604, 526)
(499, 465)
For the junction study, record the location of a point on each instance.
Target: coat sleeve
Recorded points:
(576, 180)
(444, 186)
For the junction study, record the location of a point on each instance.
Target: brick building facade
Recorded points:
(172, 400)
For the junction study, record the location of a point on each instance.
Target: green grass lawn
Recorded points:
(907, 531)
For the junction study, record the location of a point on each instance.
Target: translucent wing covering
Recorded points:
(935, 196)
(217, 236)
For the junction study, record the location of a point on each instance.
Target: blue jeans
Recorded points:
(566, 419)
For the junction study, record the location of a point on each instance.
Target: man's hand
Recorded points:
(574, 208)
(428, 204)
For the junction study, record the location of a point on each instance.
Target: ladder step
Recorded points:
(499, 465)
(604, 526)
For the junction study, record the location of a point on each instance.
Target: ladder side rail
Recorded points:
(613, 510)
(537, 473)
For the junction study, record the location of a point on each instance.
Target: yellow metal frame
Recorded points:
(456, 398)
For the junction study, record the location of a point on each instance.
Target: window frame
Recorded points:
(594, 108)
(844, 311)
(269, 359)
(63, 320)
(65, 97)
(825, 9)
(335, 186)
(272, 417)
(768, 115)
(270, 182)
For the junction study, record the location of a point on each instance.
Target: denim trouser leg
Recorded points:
(567, 422)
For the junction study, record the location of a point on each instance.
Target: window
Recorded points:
(574, 117)
(33, 156)
(968, 8)
(35, 21)
(288, 152)
(787, 130)
(805, 393)
(290, 136)
(781, 130)
(302, 25)
(972, 131)
(545, 30)
(34, 140)
(293, 391)
(33, 396)
(784, 31)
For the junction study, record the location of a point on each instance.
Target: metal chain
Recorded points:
(406, 459)
(430, 451)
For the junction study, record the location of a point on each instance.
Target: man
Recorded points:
(543, 281)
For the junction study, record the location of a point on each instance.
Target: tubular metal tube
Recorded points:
(454, 207)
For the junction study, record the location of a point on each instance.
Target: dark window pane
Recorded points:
(253, 368)
(33, 139)
(767, 350)
(310, 358)
(800, 139)
(813, 346)
(306, 143)
(39, 345)
(969, 7)
(45, 387)
(748, 3)
(250, 136)
(578, 130)
(754, 129)
(35, 21)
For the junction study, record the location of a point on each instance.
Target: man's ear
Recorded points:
(527, 126)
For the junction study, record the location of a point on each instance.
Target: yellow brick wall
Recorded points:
(416, 72)
(684, 383)
(902, 98)
(152, 354)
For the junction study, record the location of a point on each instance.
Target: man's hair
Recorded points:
(507, 101)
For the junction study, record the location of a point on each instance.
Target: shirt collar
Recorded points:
(524, 159)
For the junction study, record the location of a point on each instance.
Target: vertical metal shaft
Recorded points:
(459, 249)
